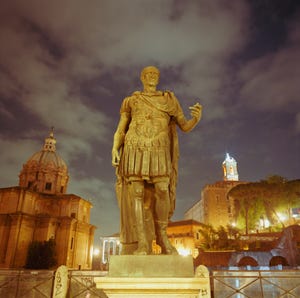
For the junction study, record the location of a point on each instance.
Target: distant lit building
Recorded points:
(214, 208)
(109, 246)
(39, 209)
(196, 212)
(263, 249)
(185, 236)
(296, 214)
(230, 169)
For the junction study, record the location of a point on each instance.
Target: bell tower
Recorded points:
(230, 169)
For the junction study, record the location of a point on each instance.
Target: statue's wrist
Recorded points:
(195, 119)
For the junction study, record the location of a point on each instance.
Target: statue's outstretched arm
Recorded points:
(187, 125)
(119, 138)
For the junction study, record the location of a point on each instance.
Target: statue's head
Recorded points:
(148, 73)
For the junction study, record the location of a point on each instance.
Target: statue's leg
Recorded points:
(138, 198)
(149, 213)
(162, 207)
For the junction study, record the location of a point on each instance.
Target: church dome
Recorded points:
(47, 159)
(45, 171)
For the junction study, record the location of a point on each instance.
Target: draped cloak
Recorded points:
(150, 151)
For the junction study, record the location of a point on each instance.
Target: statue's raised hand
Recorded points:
(196, 111)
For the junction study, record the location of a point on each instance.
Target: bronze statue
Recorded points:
(145, 154)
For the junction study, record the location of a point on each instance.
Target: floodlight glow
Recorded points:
(183, 251)
(281, 216)
(96, 252)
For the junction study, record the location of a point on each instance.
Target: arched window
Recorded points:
(247, 261)
(278, 260)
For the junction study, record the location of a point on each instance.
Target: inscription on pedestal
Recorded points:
(151, 266)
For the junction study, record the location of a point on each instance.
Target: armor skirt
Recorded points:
(145, 162)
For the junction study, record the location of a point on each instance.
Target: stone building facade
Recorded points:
(39, 209)
(185, 236)
(214, 207)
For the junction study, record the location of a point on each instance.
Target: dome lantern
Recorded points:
(50, 142)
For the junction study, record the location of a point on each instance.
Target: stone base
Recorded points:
(151, 266)
(154, 277)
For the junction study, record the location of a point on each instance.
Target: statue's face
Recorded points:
(150, 78)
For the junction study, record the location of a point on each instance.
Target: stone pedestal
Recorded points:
(60, 287)
(159, 276)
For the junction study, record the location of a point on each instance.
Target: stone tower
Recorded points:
(230, 169)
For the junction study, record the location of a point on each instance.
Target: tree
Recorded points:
(222, 242)
(274, 179)
(233, 232)
(246, 205)
(222, 238)
(41, 255)
(265, 199)
(291, 194)
(209, 234)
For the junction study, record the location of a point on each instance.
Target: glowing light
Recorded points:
(267, 223)
(246, 247)
(233, 224)
(96, 252)
(184, 252)
(228, 157)
(281, 216)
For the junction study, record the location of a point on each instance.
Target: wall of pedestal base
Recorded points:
(154, 287)
(154, 277)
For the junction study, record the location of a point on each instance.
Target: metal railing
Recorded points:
(224, 284)
(26, 283)
(81, 284)
(256, 284)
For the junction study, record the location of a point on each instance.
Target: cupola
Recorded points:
(45, 171)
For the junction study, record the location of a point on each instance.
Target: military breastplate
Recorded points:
(148, 124)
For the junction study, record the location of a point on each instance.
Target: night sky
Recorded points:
(69, 64)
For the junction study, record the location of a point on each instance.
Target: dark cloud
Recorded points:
(270, 82)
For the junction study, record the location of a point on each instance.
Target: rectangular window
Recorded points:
(48, 186)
